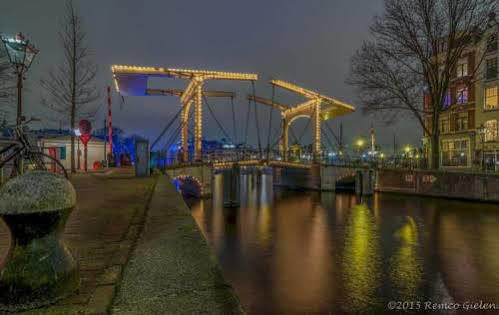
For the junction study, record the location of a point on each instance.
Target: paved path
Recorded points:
(172, 269)
(100, 232)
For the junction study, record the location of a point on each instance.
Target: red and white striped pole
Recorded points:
(109, 125)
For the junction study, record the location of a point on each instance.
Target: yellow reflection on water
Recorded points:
(360, 263)
(264, 234)
(406, 269)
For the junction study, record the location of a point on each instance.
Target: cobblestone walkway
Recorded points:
(100, 232)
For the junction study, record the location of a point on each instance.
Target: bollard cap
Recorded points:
(36, 192)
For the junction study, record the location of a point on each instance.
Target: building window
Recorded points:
(491, 98)
(447, 100)
(462, 94)
(62, 153)
(462, 67)
(444, 125)
(455, 153)
(490, 130)
(491, 68)
(462, 122)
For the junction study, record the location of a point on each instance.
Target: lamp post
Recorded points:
(481, 131)
(407, 151)
(78, 154)
(21, 54)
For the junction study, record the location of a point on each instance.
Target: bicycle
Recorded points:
(24, 157)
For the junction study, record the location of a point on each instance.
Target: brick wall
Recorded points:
(440, 184)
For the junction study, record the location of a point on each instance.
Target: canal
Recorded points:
(288, 252)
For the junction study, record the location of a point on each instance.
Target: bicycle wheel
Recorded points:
(40, 161)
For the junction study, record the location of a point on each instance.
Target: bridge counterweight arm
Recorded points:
(178, 92)
(311, 94)
(268, 102)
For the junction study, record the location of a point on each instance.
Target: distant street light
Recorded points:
(360, 144)
(21, 54)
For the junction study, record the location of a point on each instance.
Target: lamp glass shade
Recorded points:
(19, 51)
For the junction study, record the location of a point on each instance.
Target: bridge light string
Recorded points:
(179, 72)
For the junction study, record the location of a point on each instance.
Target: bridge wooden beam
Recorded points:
(178, 92)
(268, 102)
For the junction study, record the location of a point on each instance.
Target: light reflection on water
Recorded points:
(309, 252)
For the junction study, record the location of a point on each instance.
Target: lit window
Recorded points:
(491, 130)
(462, 94)
(462, 122)
(454, 153)
(491, 99)
(444, 125)
(462, 67)
(447, 100)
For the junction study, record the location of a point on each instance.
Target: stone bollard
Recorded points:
(39, 269)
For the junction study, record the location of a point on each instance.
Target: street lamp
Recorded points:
(481, 131)
(21, 54)
(407, 149)
(407, 155)
(359, 143)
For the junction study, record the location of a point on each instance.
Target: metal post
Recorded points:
(85, 166)
(105, 144)
(79, 154)
(19, 95)
(110, 124)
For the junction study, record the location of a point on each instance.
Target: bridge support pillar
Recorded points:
(328, 178)
(365, 181)
(284, 140)
(231, 189)
(316, 119)
(185, 130)
(198, 122)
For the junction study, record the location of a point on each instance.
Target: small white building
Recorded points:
(60, 148)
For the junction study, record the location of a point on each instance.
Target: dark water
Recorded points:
(308, 252)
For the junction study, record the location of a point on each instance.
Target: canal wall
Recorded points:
(172, 270)
(434, 183)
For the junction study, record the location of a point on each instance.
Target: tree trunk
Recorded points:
(435, 151)
(73, 90)
(73, 169)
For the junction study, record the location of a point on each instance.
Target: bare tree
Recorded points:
(70, 86)
(414, 50)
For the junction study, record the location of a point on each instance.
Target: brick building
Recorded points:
(487, 113)
(470, 117)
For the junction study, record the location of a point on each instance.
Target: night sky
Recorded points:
(305, 42)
